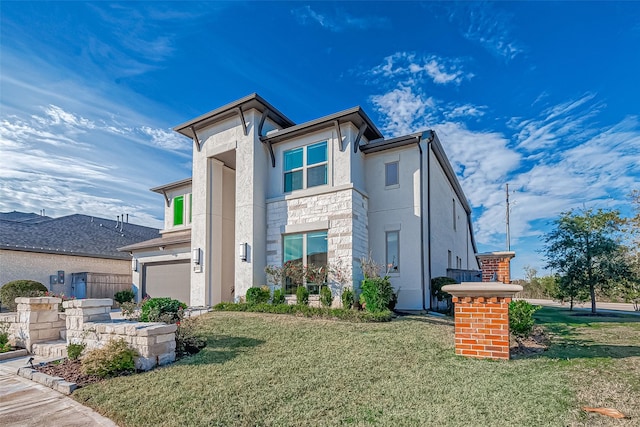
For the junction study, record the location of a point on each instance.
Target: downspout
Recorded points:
(424, 305)
(431, 136)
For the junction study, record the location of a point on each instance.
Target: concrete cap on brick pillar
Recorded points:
(482, 289)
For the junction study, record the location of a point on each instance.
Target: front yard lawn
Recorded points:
(274, 370)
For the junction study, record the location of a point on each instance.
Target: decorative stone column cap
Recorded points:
(498, 254)
(482, 289)
(88, 303)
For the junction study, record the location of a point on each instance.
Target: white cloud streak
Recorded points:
(339, 20)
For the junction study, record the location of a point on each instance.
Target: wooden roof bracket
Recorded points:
(244, 123)
(166, 196)
(265, 113)
(336, 123)
(361, 131)
(196, 140)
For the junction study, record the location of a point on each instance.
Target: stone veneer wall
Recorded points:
(347, 234)
(37, 320)
(89, 322)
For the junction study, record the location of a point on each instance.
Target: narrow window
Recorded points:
(190, 208)
(391, 174)
(449, 259)
(178, 210)
(454, 214)
(392, 243)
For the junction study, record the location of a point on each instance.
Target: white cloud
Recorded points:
(168, 140)
(339, 21)
(402, 111)
(466, 110)
(411, 67)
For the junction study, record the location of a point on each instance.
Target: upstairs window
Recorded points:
(391, 174)
(178, 210)
(305, 167)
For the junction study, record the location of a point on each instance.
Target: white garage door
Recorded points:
(170, 279)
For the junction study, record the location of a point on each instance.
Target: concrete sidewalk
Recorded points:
(604, 307)
(27, 403)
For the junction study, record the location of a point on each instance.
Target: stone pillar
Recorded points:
(482, 318)
(81, 311)
(496, 264)
(38, 320)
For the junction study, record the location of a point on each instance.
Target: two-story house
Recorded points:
(265, 191)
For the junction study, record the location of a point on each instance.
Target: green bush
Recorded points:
(377, 294)
(306, 311)
(161, 310)
(302, 295)
(521, 317)
(436, 291)
(347, 298)
(258, 295)
(116, 358)
(124, 296)
(278, 297)
(4, 337)
(75, 350)
(20, 288)
(326, 298)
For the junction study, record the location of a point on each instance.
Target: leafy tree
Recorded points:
(584, 248)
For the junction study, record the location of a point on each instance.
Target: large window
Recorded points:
(392, 245)
(304, 251)
(305, 167)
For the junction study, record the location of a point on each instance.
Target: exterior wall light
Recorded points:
(195, 256)
(242, 251)
(134, 264)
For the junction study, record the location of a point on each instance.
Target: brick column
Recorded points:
(37, 320)
(482, 318)
(498, 263)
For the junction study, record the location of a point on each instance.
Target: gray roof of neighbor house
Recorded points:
(78, 235)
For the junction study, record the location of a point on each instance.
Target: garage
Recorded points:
(167, 279)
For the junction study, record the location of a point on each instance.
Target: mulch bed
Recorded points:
(536, 343)
(70, 370)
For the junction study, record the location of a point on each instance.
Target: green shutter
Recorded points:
(178, 210)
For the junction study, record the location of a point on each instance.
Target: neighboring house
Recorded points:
(53, 251)
(265, 191)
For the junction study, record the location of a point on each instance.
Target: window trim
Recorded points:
(306, 166)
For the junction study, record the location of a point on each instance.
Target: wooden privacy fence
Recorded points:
(100, 285)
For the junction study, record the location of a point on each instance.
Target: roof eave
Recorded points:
(229, 110)
(170, 186)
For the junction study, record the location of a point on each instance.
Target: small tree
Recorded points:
(584, 247)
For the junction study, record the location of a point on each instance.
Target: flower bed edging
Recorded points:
(56, 383)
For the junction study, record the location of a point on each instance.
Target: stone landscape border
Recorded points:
(57, 383)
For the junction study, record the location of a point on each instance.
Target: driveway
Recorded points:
(27, 403)
(605, 307)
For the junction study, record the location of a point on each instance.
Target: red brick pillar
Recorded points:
(482, 318)
(498, 264)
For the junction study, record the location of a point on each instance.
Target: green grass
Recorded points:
(278, 370)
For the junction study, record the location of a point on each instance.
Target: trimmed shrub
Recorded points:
(347, 298)
(377, 294)
(521, 317)
(75, 350)
(258, 295)
(302, 295)
(116, 358)
(20, 288)
(278, 297)
(436, 291)
(161, 310)
(4, 337)
(326, 298)
(124, 296)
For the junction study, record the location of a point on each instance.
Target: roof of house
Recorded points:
(77, 235)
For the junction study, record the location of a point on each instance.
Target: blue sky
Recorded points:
(541, 95)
